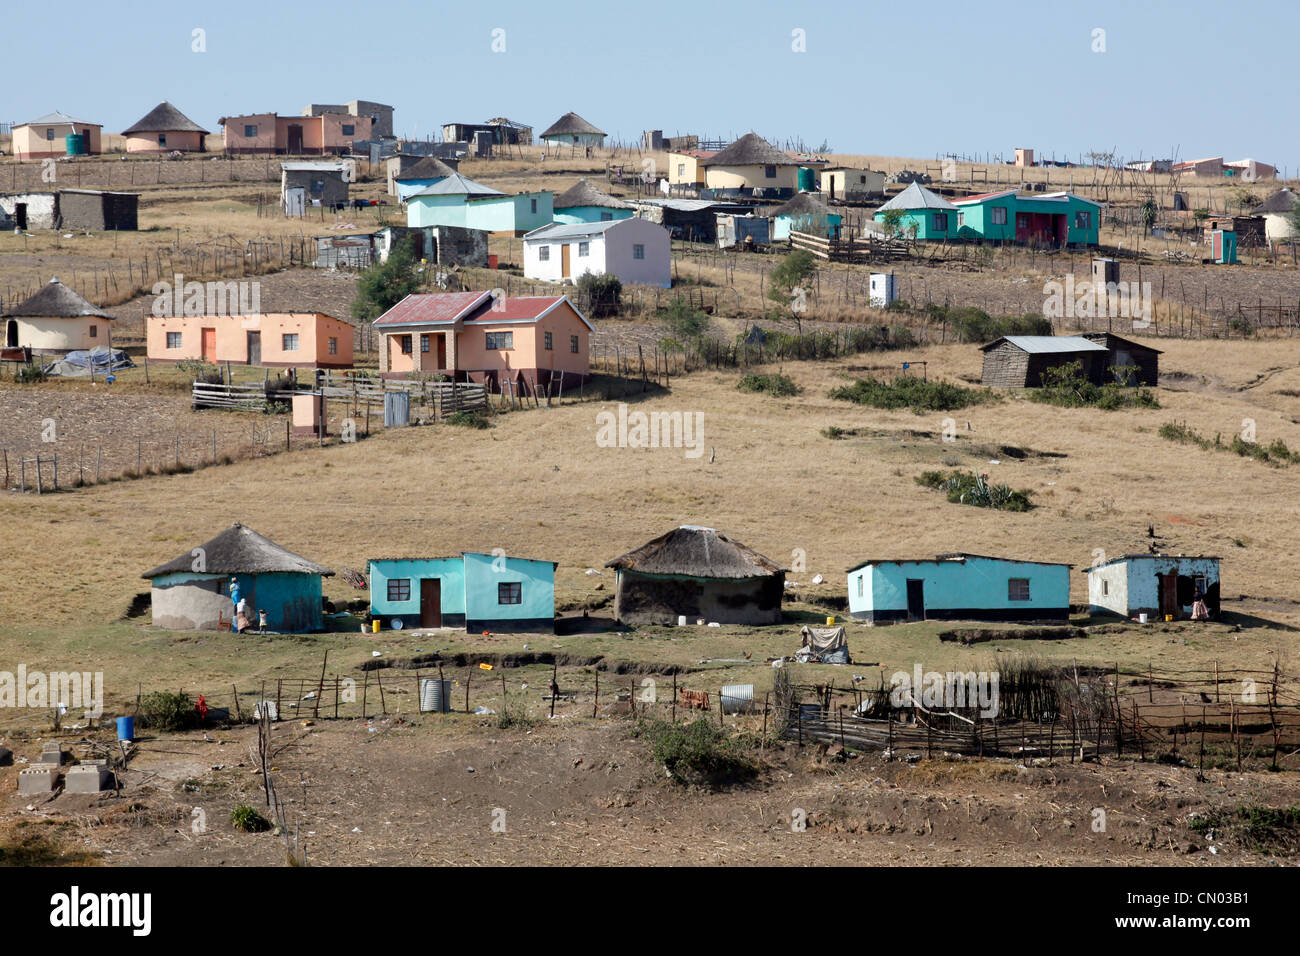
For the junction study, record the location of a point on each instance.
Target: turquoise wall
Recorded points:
(483, 572)
(951, 585)
(511, 213)
(781, 225)
(435, 211)
(977, 218)
(451, 571)
(576, 214)
(269, 592)
(923, 219)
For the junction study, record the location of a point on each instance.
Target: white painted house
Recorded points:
(1153, 584)
(634, 250)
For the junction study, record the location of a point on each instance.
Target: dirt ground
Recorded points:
(418, 792)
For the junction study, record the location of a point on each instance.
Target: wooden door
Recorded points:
(430, 602)
(254, 348)
(209, 345)
(295, 139)
(1168, 593)
(915, 599)
(564, 261)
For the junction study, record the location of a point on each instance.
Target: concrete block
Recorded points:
(53, 753)
(35, 780)
(83, 779)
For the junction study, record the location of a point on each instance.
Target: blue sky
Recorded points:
(907, 79)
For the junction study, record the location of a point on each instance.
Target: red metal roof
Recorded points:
(976, 198)
(431, 307)
(517, 308)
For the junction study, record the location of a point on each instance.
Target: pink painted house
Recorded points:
(294, 135)
(478, 337)
(47, 137)
(272, 339)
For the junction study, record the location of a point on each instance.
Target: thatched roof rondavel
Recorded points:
(241, 550)
(698, 552)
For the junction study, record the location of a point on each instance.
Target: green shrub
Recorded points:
(1066, 386)
(835, 433)
(684, 322)
(467, 419)
(1258, 828)
(201, 371)
(698, 752)
(246, 818)
(970, 324)
(603, 294)
(771, 384)
(29, 374)
(164, 710)
(968, 488)
(908, 391)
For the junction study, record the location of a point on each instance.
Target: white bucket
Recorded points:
(1142, 618)
(681, 620)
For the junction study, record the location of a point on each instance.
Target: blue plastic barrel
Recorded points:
(126, 728)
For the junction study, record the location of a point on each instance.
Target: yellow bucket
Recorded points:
(1169, 617)
(374, 626)
(830, 621)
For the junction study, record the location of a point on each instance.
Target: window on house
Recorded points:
(860, 585)
(941, 221)
(1200, 582)
(399, 589)
(1083, 220)
(510, 592)
(1018, 589)
(162, 139)
(606, 217)
(94, 331)
(49, 134)
(638, 251)
(998, 215)
(584, 249)
(534, 206)
(681, 170)
(333, 346)
(546, 338)
(424, 343)
(317, 187)
(573, 344)
(349, 129)
(961, 219)
(406, 344)
(500, 340)
(1105, 587)
(769, 172)
(290, 341)
(862, 180)
(173, 340)
(250, 129)
(544, 254)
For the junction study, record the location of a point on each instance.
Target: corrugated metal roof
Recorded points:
(57, 119)
(421, 309)
(457, 185)
(314, 166)
(1050, 344)
(560, 230)
(690, 205)
(1147, 556)
(916, 196)
(957, 557)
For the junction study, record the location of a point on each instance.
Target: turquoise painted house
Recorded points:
(192, 591)
(925, 215)
(480, 592)
(806, 212)
(582, 203)
(419, 177)
(959, 587)
(1052, 219)
(457, 201)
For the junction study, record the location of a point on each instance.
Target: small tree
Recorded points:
(603, 294)
(684, 322)
(1293, 217)
(384, 284)
(790, 281)
(893, 220)
(1148, 211)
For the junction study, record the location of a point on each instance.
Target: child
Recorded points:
(261, 621)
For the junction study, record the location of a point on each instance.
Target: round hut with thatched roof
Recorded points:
(806, 212)
(191, 592)
(165, 129)
(696, 572)
(583, 202)
(751, 166)
(572, 130)
(57, 320)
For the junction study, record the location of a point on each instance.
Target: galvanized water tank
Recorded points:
(737, 698)
(435, 696)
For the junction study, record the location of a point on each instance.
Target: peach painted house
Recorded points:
(271, 339)
(46, 137)
(294, 135)
(479, 337)
(164, 129)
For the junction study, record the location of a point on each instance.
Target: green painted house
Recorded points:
(1052, 219)
(925, 214)
(458, 201)
(480, 592)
